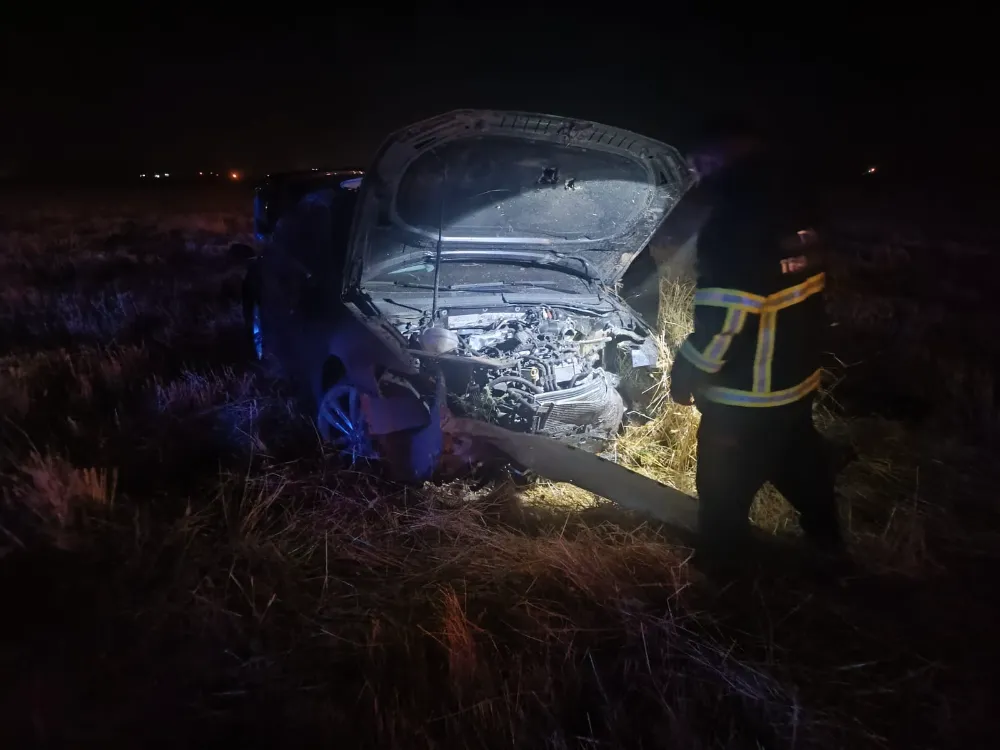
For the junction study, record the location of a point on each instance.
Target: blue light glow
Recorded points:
(258, 338)
(342, 423)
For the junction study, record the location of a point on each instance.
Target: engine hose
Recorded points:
(515, 379)
(547, 370)
(626, 333)
(550, 369)
(523, 400)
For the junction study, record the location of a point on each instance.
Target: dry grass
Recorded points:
(183, 561)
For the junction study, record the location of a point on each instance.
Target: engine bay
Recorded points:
(544, 369)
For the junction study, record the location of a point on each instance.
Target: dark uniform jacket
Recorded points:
(758, 317)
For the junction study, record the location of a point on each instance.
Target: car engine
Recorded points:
(536, 369)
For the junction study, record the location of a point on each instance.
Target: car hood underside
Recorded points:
(523, 191)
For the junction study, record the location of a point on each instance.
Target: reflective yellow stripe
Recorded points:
(766, 333)
(735, 397)
(739, 304)
(713, 358)
(699, 360)
(739, 300)
(732, 298)
(733, 324)
(795, 294)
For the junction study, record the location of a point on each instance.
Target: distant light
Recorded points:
(200, 174)
(166, 174)
(142, 175)
(234, 175)
(156, 176)
(871, 170)
(315, 169)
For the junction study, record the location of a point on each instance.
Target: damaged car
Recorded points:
(467, 276)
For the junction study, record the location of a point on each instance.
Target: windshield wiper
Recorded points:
(406, 284)
(558, 264)
(554, 261)
(485, 286)
(479, 286)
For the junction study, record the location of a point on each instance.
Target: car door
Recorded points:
(303, 285)
(302, 277)
(281, 281)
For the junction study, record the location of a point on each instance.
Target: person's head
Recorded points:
(721, 142)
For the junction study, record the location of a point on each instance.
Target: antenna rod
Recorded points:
(437, 252)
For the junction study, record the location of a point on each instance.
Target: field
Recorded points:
(183, 564)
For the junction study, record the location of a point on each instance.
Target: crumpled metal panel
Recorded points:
(388, 414)
(560, 462)
(419, 444)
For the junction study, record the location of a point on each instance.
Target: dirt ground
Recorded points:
(183, 563)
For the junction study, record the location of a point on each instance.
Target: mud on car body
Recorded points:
(470, 271)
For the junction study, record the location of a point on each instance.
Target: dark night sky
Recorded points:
(327, 90)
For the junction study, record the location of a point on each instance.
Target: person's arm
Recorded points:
(719, 317)
(730, 284)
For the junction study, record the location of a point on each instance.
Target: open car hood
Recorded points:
(514, 189)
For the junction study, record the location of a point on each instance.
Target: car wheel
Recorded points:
(341, 422)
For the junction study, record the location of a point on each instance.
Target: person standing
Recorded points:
(752, 363)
